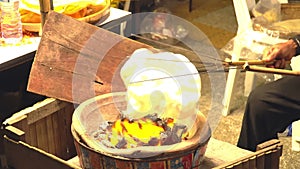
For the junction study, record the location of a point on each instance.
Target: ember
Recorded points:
(147, 131)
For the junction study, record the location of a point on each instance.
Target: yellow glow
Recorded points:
(114, 138)
(144, 130)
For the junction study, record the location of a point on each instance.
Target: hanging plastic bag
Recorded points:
(269, 9)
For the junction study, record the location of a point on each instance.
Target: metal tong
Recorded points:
(251, 65)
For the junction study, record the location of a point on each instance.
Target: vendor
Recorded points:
(272, 107)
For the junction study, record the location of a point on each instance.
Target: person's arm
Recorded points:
(280, 54)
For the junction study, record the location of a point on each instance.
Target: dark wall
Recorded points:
(13, 94)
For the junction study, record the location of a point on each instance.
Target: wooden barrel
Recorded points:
(187, 157)
(92, 159)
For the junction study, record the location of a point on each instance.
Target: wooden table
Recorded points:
(11, 56)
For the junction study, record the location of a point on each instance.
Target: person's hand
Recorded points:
(280, 54)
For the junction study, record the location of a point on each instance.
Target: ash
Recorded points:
(168, 137)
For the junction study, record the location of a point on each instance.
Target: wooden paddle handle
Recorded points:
(271, 70)
(45, 7)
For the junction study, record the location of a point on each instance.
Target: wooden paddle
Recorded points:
(76, 60)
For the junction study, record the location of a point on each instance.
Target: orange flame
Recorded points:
(143, 131)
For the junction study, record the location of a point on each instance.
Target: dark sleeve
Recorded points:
(296, 39)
